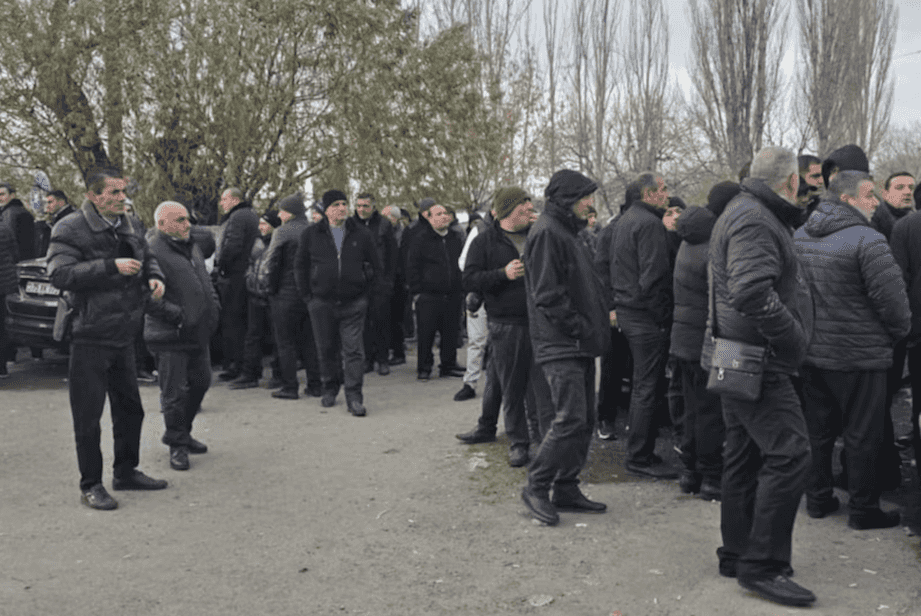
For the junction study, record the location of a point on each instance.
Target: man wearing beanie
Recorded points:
(289, 313)
(495, 270)
(641, 282)
(433, 273)
(568, 324)
(336, 265)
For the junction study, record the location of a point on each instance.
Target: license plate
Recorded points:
(42, 288)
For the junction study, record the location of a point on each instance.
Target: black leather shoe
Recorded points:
(285, 394)
(779, 589)
(477, 436)
(138, 481)
(314, 391)
(577, 503)
(711, 489)
(369, 366)
(424, 375)
(517, 456)
(875, 518)
(659, 470)
(466, 393)
(98, 498)
(383, 368)
(397, 361)
(689, 481)
(820, 509)
(243, 382)
(197, 447)
(179, 458)
(329, 399)
(453, 371)
(229, 375)
(541, 508)
(357, 409)
(273, 383)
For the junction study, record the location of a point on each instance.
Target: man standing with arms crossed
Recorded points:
(569, 326)
(100, 256)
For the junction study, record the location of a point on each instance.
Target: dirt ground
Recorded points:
(302, 510)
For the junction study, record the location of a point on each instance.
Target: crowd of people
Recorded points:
(800, 260)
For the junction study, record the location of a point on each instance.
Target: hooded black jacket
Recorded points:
(690, 283)
(641, 267)
(761, 294)
(566, 311)
(861, 309)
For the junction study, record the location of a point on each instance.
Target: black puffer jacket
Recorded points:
(109, 307)
(641, 266)
(566, 311)
(885, 217)
(15, 215)
(432, 261)
(761, 294)
(321, 271)
(861, 309)
(187, 315)
(484, 273)
(690, 283)
(276, 272)
(906, 249)
(238, 232)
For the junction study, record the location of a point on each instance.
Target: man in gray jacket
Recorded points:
(177, 329)
(861, 312)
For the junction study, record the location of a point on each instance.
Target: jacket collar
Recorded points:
(659, 213)
(98, 224)
(64, 211)
(785, 211)
(239, 206)
(565, 216)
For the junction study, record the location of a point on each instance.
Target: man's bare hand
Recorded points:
(157, 288)
(613, 317)
(514, 270)
(128, 267)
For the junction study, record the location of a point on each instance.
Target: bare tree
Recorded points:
(845, 85)
(737, 50)
(551, 21)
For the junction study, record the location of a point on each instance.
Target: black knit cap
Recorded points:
(720, 196)
(847, 158)
(331, 196)
(271, 217)
(293, 204)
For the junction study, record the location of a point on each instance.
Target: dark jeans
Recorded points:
(563, 452)
(649, 347)
(258, 323)
(914, 368)
(702, 439)
(765, 469)
(185, 377)
(512, 364)
(94, 372)
(616, 367)
(397, 317)
(293, 337)
(338, 329)
(377, 328)
(848, 404)
(438, 313)
(234, 300)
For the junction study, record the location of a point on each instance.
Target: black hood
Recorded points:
(695, 225)
(565, 189)
(789, 214)
(847, 158)
(831, 216)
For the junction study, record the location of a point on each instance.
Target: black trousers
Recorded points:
(377, 328)
(258, 323)
(438, 313)
(703, 434)
(914, 367)
(185, 377)
(95, 372)
(397, 318)
(337, 328)
(852, 405)
(616, 367)
(766, 464)
(234, 300)
(293, 338)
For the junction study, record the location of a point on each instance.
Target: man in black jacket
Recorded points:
(56, 208)
(568, 323)
(239, 231)
(178, 327)
(15, 215)
(641, 281)
(336, 265)
(434, 275)
(762, 299)
(290, 319)
(377, 321)
(100, 257)
(898, 201)
(495, 270)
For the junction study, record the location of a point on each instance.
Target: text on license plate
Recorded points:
(42, 288)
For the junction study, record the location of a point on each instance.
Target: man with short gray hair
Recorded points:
(760, 298)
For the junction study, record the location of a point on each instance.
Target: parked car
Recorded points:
(30, 313)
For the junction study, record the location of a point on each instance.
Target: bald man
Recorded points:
(177, 329)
